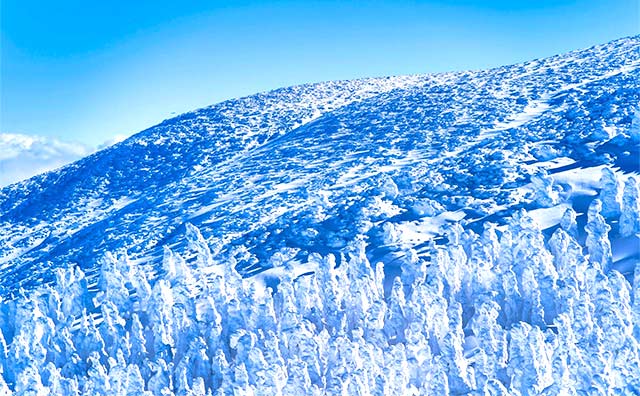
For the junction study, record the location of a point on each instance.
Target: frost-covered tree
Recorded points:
(598, 244)
(609, 194)
(567, 256)
(507, 312)
(634, 131)
(543, 189)
(630, 217)
(636, 301)
(568, 222)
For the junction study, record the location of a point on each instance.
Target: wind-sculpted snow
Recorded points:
(461, 233)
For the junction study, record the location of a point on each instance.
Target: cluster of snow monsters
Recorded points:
(507, 312)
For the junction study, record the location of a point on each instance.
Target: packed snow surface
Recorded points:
(459, 233)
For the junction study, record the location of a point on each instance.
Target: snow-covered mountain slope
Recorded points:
(23, 156)
(94, 205)
(464, 233)
(252, 172)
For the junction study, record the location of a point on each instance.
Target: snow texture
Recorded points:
(472, 233)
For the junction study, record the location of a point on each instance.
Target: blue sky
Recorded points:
(88, 71)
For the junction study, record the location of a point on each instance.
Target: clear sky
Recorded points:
(90, 70)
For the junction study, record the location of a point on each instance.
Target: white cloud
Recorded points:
(23, 156)
(111, 142)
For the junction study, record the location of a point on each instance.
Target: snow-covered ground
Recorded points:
(459, 233)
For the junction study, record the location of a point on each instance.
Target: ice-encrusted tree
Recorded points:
(543, 189)
(567, 252)
(609, 194)
(568, 222)
(529, 368)
(491, 357)
(630, 217)
(598, 244)
(476, 316)
(634, 130)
